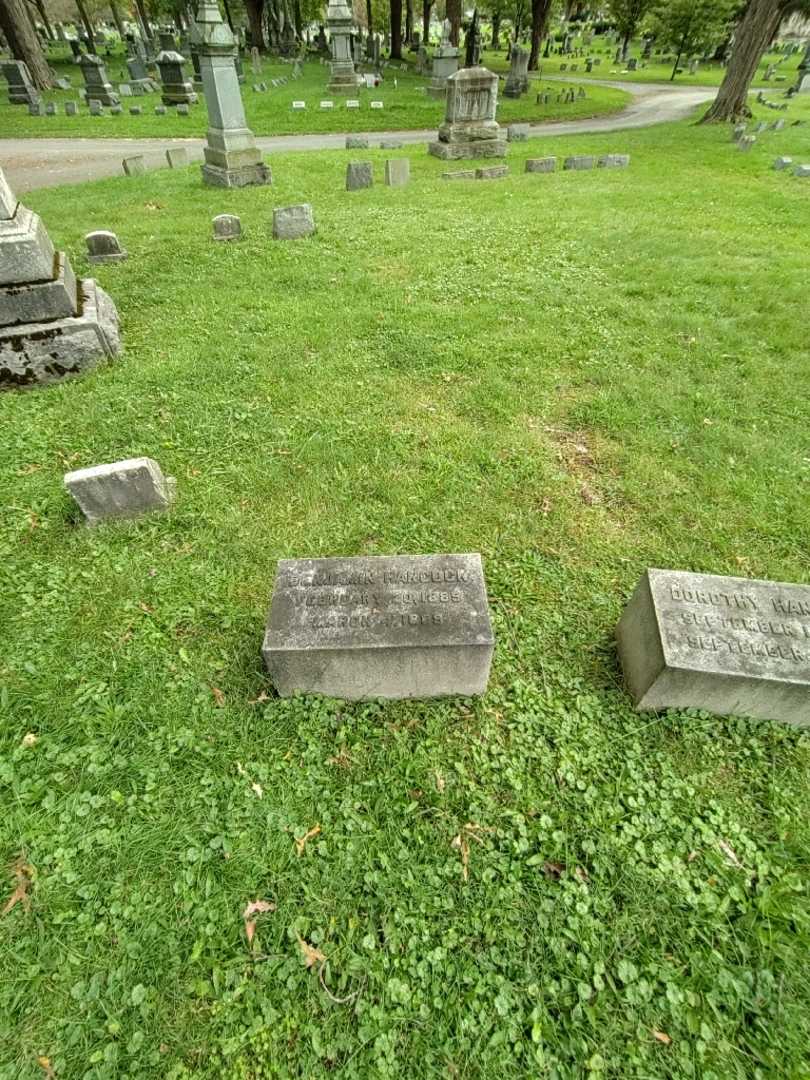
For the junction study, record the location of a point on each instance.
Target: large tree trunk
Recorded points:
(228, 17)
(409, 22)
(426, 6)
(396, 30)
(116, 14)
(540, 12)
(144, 21)
(369, 18)
(255, 10)
(24, 42)
(753, 35)
(43, 14)
(496, 29)
(88, 26)
(453, 13)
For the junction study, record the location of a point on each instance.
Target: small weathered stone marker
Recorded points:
(542, 164)
(227, 227)
(357, 142)
(293, 222)
(359, 174)
(723, 644)
(177, 157)
(104, 247)
(397, 172)
(134, 166)
(123, 489)
(402, 626)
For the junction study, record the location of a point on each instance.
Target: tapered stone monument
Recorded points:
(97, 86)
(445, 64)
(343, 78)
(232, 158)
(517, 81)
(470, 129)
(51, 325)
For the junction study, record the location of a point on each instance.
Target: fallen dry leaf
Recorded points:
(312, 955)
(554, 869)
(589, 496)
(219, 697)
(730, 854)
(29, 739)
(258, 789)
(662, 1037)
(440, 782)
(581, 874)
(302, 843)
(462, 844)
(255, 907)
(23, 875)
(260, 700)
(45, 1063)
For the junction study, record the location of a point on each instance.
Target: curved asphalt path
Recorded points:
(35, 163)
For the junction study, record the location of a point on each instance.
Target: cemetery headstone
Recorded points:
(721, 644)
(359, 174)
(176, 157)
(459, 174)
(444, 64)
(327, 104)
(579, 161)
(746, 143)
(541, 165)
(517, 133)
(352, 103)
(802, 171)
(175, 87)
(121, 490)
(134, 166)
(391, 144)
(232, 158)
(293, 222)
(380, 627)
(492, 172)
(613, 161)
(470, 129)
(134, 110)
(299, 105)
(343, 79)
(357, 142)
(124, 89)
(71, 108)
(96, 83)
(397, 172)
(21, 89)
(51, 324)
(96, 108)
(104, 247)
(227, 227)
(782, 163)
(160, 110)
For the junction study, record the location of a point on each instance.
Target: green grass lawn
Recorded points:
(579, 375)
(656, 71)
(405, 106)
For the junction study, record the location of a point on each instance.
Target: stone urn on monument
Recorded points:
(470, 129)
(343, 78)
(232, 158)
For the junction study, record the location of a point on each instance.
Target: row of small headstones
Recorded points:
(351, 103)
(564, 97)
(543, 165)
(746, 142)
(97, 109)
(261, 88)
(135, 165)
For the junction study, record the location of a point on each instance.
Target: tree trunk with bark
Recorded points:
(369, 18)
(453, 13)
(88, 26)
(255, 10)
(24, 42)
(496, 29)
(408, 22)
(396, 29)
(426, 9)
(754, 33)
(43, 14)
(116, 14)
(540, 13)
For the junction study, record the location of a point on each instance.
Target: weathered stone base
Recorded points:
(38, 353)
(343, 87)
(42, 301)
(216, 176)
(486, 148)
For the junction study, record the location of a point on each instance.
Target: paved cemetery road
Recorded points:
(33, 163)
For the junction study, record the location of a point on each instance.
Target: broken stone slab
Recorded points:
(26, 251)
(123, 489)
(802, 170)
(399, 626)
(43, 301)
(391, 144)
(357, 142)
(134, 166)
(293, 222)
(177, 157)
(36, 353)
(104, 247)
(227, 227)
(613, 161)
(725, 645)
(397, 172)
(459, 174)
(782, 163)
(541, 165)
(359, 174)
(579, 161)
(492, 172)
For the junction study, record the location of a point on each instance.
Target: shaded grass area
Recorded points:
(579, 375)
(405, 106)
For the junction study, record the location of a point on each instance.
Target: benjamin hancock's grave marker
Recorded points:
(401, 626)
(723, 644)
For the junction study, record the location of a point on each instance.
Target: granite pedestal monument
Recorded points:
(470, 129)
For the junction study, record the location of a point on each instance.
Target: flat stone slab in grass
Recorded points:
(293, 222)
(542, 164)
(722, 644)
(359, 174)
(492, 172)
(397, 172)
(579, 161)
(391, 144)
(613, 161)
(401, 626)
(782, 163)
(802, 170)
(177, 157)
(124, 489)
(103, 247)
(227, 227)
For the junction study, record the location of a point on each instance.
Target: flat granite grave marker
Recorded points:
(177, 157)
(134, 166)
(293, 222)
(721, 644)
(543, 164)
(357, 142)
(123, 489)
(402, 626)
